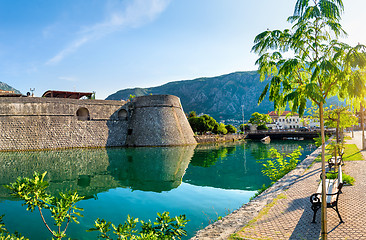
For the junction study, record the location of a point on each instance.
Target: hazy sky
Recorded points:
(108, 45)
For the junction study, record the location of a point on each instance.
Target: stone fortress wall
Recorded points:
(29, 123)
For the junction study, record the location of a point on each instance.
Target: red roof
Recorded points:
(284, 113)
(65, 94)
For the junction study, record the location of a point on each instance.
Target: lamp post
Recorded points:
(242, 109)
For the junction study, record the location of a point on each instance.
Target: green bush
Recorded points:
(165, 228)
(346, 178)
(220, 129)
(281, 164)
(262, 127)
(231, 129)
(318, 140)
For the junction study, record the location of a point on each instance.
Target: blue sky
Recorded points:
(108, 45)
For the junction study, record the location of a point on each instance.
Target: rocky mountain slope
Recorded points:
(6, 87)
(221, 97)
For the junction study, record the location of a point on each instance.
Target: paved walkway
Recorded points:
(291, 216)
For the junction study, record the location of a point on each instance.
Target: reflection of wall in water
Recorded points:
(92, 171)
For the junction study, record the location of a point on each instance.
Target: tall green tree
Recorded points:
(203, 124)
(260, 120)
(320, 66)
(220, 129)
(230, 128)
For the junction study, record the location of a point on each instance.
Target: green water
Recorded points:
(203, 182)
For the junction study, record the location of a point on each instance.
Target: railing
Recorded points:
(283, 131)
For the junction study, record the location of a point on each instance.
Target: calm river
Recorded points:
(203, 182)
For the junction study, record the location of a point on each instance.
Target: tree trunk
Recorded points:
(324, 202)
(362, 127)
(337, 142)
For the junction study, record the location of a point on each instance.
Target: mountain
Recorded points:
(6, 87)
(221, 97)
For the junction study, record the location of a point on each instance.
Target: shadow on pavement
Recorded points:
(304, 228)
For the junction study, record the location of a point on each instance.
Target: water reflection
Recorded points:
(236, 165)
(203, 183)
(91, 171)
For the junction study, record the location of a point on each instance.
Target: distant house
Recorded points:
(286, 120)
(4, 93)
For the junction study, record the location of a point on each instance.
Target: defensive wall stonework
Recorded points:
(28, 123)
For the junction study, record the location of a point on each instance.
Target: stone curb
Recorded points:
(235, 221)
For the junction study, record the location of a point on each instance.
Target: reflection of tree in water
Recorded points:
(209, 155)
(261, 151)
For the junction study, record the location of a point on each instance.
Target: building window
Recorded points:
(83, 114)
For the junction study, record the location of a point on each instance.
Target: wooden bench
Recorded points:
(331, 161)
(333, 189)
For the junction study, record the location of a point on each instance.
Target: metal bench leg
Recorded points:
(315, 209)
(339, 215)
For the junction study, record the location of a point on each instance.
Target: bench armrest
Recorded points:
(316, 197)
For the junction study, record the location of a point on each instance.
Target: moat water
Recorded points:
(203, 182)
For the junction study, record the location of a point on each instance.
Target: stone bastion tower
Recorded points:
(32, 123)
(158, 120)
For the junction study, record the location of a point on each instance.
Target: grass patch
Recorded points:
(351, 153)
(249, 227)
(345, 177)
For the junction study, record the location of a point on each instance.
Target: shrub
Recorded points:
(318, 140)
(281, 164)
(220, 129)
(165, 228)
(262, 127)
(231, 129)
(33, 192)
(346, 178)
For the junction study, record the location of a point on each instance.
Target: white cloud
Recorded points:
(135, 14)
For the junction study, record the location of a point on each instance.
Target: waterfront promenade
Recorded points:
(288, 214)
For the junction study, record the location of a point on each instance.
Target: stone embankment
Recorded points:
(218, 138)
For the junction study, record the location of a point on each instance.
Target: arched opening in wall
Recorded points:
(122, 114)
(83, 114)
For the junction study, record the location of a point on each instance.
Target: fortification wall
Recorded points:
(45, 123)
(158, 120)
(28, 123)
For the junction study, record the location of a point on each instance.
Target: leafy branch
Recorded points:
(33, 192)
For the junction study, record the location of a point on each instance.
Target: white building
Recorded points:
(286, 120)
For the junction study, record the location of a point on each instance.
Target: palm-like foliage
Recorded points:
(321, 65)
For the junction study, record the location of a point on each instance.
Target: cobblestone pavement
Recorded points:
(290, 217)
